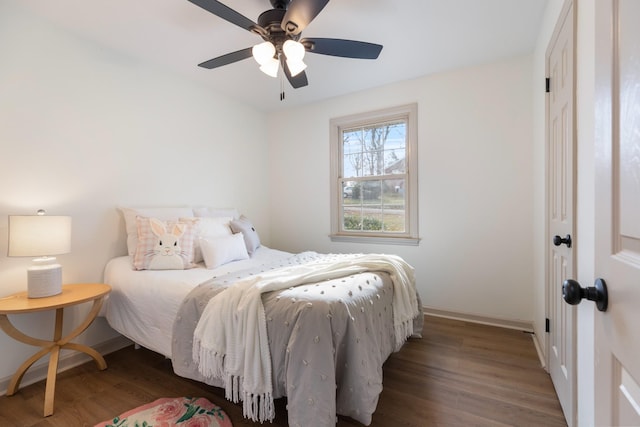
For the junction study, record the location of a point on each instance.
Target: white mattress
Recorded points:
(138, 311)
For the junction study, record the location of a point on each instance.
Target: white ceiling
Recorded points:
(420, 37)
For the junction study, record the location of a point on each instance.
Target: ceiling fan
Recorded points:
(281, 29)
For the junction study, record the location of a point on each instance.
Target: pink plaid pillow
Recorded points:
(163, 245)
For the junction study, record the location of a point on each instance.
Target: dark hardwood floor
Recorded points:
(458, 374)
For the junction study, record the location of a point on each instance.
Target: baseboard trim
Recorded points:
(541, 356)
(520, 325)
(68, 361)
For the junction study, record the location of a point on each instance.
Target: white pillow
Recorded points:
(203, 211)
(212, 228)
(222, 250)
(164, 214)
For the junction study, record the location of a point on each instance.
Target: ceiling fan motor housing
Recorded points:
(270, 20)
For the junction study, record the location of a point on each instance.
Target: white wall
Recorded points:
(475, 185)
(84, 129)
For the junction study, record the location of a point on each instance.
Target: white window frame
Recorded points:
(408, 113)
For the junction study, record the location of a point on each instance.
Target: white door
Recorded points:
(617, 210)
(561, 342)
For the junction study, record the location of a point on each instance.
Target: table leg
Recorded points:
(97, 357)
(52, 373)
(17, 377)
(64, 342)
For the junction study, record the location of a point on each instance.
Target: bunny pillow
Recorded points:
(163, 245)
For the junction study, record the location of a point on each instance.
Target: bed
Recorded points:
(327, 334)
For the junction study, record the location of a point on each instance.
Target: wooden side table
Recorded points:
(71, 295)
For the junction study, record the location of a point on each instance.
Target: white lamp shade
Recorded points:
(270, 68)
(39, 235)
(293, 50)
(263, 52)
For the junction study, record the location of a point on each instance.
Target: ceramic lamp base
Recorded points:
(44, 280)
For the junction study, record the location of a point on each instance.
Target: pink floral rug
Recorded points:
(172, 411)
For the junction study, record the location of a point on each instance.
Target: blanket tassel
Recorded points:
(258, 407)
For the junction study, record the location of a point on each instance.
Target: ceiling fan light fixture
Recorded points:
(264, 52)
(293, 50)
(270, 67)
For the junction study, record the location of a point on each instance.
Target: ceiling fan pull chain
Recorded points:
(281, 88)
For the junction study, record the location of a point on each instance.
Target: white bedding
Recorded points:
(135, 308)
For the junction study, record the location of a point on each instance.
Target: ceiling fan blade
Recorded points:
(300, 13)
(297, 81)
(343, 48)
(229, 58)
(226, 13)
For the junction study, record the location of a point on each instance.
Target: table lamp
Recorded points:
(41, 236)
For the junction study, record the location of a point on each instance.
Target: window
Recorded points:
(374, 192)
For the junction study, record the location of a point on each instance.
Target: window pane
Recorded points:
(398, 133)
(352, 165)
(395, 149)
(374, 150)
(352, 219)
(393, 204)
(352, 141)
(372, 221)
(347, 189)
(394, 161)
(373, 155)
(371, 192)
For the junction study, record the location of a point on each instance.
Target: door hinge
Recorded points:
(547, 325)
(547, 84)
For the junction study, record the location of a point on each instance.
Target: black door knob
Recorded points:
(557, 240)
(573, 293)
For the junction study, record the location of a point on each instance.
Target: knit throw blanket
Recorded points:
(230, 340)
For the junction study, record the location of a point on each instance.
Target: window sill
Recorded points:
(407, 241)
